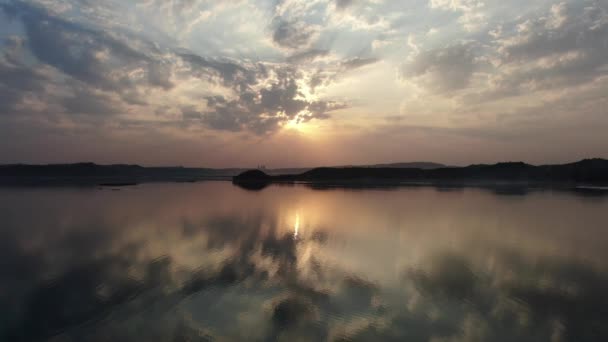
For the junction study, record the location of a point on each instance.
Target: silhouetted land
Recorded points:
(411, 165)
(124, 175)
(105, 175)
(588, 171)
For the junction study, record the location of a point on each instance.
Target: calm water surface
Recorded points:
(212, 262)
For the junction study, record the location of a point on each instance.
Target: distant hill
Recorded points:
(403, 165)
(590, 171)
(411, 165)
(120, 173)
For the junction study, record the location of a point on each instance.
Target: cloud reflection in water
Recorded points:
(208, 261)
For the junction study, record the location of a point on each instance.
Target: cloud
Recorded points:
(265, 97)
(472, 16)
(94, 57)
(104, 73)
(60, 70)
(201, 67)
(563, 30)
(13, 48)
(357, 62)
(566, 47)
(326, 75)
(444, 69)
(561, 48)
(307, 56)
(292, 34)
(89, 101)
(343, 4)
(265, 110)
(231, 74)
(16, 83)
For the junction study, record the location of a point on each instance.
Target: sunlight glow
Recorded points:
(293, 124)
(306, 128)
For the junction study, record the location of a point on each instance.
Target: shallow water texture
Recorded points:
(213, 262)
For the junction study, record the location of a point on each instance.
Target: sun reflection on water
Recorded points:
(296, 226)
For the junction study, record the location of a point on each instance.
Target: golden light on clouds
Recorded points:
(220, 84)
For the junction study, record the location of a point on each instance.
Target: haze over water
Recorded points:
(211, 261)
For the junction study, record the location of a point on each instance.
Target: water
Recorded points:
(210, 261)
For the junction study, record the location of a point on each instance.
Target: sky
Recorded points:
(239, 83)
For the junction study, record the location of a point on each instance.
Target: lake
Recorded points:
(210, 261)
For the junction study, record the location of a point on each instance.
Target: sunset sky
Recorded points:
(302, 82)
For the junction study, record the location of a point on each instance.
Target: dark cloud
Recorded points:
(265, 110)
(325, 76)
(86, 64)
(561, 48)
(63, 68)
(190, 113)
(20, 78)
(307, 56)
(343, 4)
(292, 34)
(281, 97)
(320, 78)
(8, 99)
(86, 101)
(159, 75)
(258, 108)
(13, 48)
(358, 62)
(230, 73)
(322, 107)
(445, 69)
(100, 63)
(91, 56)
(564, 29)
(16, 82)
(564, 48)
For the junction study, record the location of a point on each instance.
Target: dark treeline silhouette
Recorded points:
(90, 173)
(588, 171)
(124, 174)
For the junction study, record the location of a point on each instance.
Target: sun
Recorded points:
(306, 129)
(293, 124)
(300, 127)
